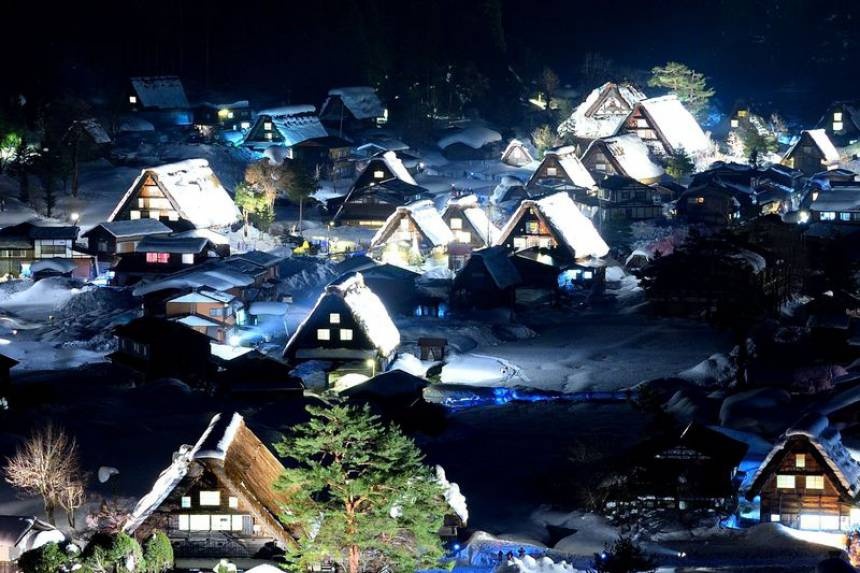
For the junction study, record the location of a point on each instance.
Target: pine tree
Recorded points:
(360, 494)
(679, 164)
(690, 86)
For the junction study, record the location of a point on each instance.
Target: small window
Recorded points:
(198, 523)
(186, 501)
(132, 99)
(221, 523)
(134, 215)
(456, 223)
(735, 123)
(346, 334)
(334, 318)
(774, 517)
(216, 312)
(184, 524)
(742, 113)
(700, 200)
(233, 502)
(237, 524)
(269, 135)
(323, 334)
(800, 461)
(187, 258)
(838, 125)
(844, 216)
(827, 216)
(378, 174)
(158, 258)
(551, 172)
(210, 498)
(837, 116)
(785, 482)
(814, 482)
(267, 126)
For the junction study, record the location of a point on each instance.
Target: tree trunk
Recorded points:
(70, 514)
(49, 512)
(246, 222)
(354, 559)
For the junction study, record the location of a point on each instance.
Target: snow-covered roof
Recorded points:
(500, 193)
(270, 308)
(822, 142)
(157, 244)
(827, 440)
(238, 104)
(193, 189)
(631, 155)
(570, 227)
(677, 125)
(570, 164)
(161, 92)
(361, 101)
(588, 122)
(468, 206)
(95, 130)
(295, 124)
(475, 137)
(56, 264)
(426, 218)
(216, 279)
(27, 533)
(196, 321)
(837, 199)
(396, 166)
(514, 144)
(214, 442)
(367, 310)
(212, 236)
(194, 297)
(133, 228)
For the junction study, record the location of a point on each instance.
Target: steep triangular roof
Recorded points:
(629, 155)
(570, 228)
(819, 138)
(674, 124)
(517, 145)
(571, 167)
(361, 101)
(194, 191)
(160, 92)
(468, 207)
(426, 219)
(295, 124)
(592, 120)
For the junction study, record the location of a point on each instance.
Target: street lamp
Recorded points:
(74, 217)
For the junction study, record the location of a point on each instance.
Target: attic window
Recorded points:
(186, 501)
(269, 135)
(323, 334)
(334, 318)
(133, 100)
(210, 498)
(700, 200)
(134, 215)
(785, 482)
(551, 172)
(774, 517)
(346, 334)
(837, 126)
(735, 123)
(742, 113)
(800, 461)
(814, 482)
(837, 116)
(158, 258)
(456, 223)
(378, 174)
(187, 258)
(267, 126)
(233, 502)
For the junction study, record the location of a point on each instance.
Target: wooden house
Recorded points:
(159, 348)
(602, 111)
(19, 534)
(518, 154)
(216, 501)
(714, 202)
(509, 192)
(109, 239)
(160, 100)
(183, 195)
(625, 199)
(255, 374)
(666, 127)
(691, 478)
(809, 480)
(6, 365)
(488, 279)
(284, 127)
(352, 109)
(471, 227)
(838, 204)
(382, 186)
(471, 143)
(23, 244)
(207, 311)
(625, 155)
(232, 116)
(330, 156)
(348, 327)
(416, 229)
(812, 153)
(561, 170)
(553, 224)
(157, 256)
(841, 123)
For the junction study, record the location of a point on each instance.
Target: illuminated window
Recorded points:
(641, 123)
(735, 123)
(837, 126)
(187, 258)
(134, 215)
(532, 227)
(815, 195)
(844, 216)
(700, 200)
(463, 236)
(198, 523)
(551, 172)
(785, 482)
(323, 334)
(186, 501)
(334, 318)
(827, 216)
(233, 502)
(742, 113)
(132, 99)
(601, 167)
(800, 461)
(456, 223)
(587, 275)
(221, 523)
(378, 174)
(230, 115)
(774, 517)
(837, 116)
(237, 523)
(346, 334)
(210, 498)
(158, 258)
(267, 126)
(184, 525)
(814, 482)
(245, 125)
(269, 135)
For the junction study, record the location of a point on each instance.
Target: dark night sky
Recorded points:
(796, 52)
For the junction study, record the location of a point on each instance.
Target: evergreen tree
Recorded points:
(679, 164)
(623, 557)
(254, 205)
(544, 138)
(690, 86)
(756, 143)
(48, 558)
(158, 553)
(360, 494)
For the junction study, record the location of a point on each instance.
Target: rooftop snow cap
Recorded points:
(426, 218)
(474, 137)
(676, 123)
(361, 101)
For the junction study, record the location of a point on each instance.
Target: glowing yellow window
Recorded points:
(700, 200)
(551, 172)
(814, 482)
(800, 461)
(323, 334)
(742, 113)
(837, 116)
(334, 318)
(785, 482)
(456, 223)
(346, 334)
(378, 174)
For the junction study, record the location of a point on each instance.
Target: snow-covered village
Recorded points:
(378, 287)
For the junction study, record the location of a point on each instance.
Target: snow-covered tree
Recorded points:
(544, 138)
(360, 494)
(690, 86)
